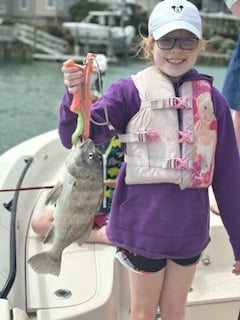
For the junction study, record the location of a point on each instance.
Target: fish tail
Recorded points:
(45, 263)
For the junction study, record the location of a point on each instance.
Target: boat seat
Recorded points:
(215, 292)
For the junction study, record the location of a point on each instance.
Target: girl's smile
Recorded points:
(176, 61)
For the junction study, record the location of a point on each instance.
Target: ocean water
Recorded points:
(30, 95)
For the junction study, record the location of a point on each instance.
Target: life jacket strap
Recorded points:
(143, 136)
(169, 103)
(172, 163)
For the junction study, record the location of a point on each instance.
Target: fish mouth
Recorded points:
(87, 148)
(82, 143)
(86, 141)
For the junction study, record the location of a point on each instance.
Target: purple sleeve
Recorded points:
(121, 101)
(67, 120)
(226, 180)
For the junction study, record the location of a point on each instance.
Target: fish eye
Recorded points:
(90, 155)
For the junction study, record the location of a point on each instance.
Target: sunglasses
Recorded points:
(188, 43)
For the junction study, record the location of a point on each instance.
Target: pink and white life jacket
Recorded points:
(171, 139)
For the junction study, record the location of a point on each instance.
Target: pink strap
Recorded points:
(148, 136)
(177, 103)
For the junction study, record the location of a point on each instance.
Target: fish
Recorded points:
(78, 196)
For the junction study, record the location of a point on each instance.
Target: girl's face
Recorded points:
(179, 59)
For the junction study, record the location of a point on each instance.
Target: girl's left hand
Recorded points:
(236, 268)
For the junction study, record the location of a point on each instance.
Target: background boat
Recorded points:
(102, 28)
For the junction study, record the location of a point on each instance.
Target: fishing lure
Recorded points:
(81, 103)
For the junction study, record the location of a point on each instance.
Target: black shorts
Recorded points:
(142, 264)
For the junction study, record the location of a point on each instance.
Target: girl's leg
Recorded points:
(145, 291)
(214, 207)
(176, 285)
(42, 222)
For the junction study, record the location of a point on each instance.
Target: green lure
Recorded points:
(79, 128)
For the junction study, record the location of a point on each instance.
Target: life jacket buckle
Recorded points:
(177, 103)
(178, 164)
(148, 136)
(185, 137)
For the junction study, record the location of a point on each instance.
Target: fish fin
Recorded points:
(49, 236)
(99, 203)
(44, 263)
(54, 194)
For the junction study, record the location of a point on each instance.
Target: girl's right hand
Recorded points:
(73, 77)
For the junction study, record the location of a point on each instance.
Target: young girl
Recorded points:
(178, 137)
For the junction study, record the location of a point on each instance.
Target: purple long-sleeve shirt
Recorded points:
(160, 220)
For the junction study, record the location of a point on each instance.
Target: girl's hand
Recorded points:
(236, 268)
(73, 77)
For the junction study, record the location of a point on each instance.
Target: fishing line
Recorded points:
(100, 86)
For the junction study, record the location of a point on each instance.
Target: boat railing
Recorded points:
(39, 39)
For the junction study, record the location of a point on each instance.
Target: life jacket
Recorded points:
(171, 139)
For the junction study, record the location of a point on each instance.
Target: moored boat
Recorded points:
(100, 27)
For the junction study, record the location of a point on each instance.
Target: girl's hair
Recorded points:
(145, 48)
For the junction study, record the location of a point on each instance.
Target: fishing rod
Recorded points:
(106, 182)
(26, 188)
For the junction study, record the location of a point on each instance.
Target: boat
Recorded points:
(101, 28)
(92, 284)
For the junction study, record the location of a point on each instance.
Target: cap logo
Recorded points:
(177, 9)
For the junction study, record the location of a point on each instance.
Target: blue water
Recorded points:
(31, 93)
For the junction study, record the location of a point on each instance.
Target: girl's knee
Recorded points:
(41, 223)
(36, 224)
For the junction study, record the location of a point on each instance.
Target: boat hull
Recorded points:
(92, 33)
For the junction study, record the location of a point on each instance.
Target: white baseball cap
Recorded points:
(170, 15)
